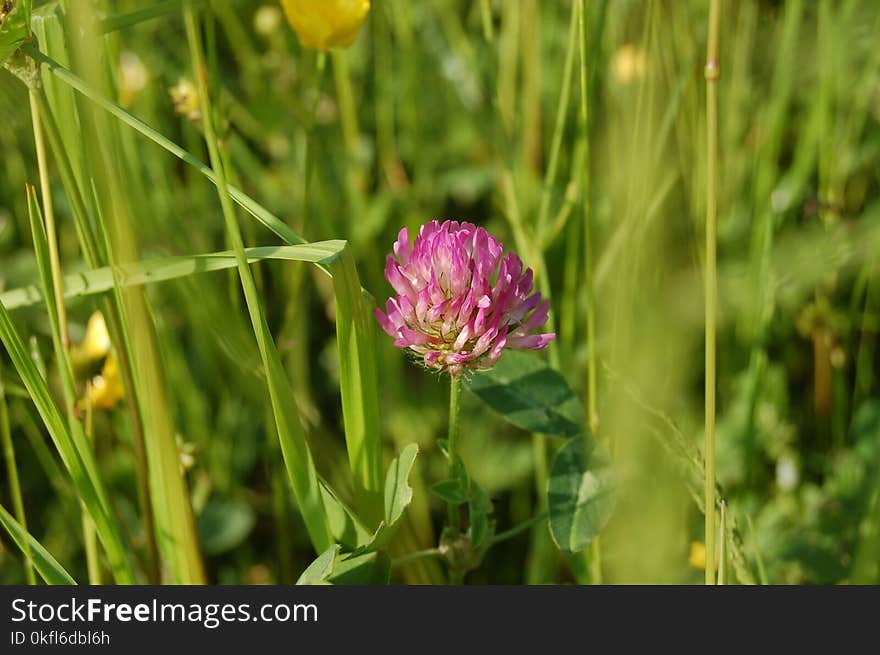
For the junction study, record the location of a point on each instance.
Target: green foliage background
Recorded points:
(447, 123)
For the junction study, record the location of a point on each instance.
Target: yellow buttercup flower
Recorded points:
(105, 390)
(96, 345)
(325, 24)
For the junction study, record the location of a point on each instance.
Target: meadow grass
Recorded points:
(695, 185)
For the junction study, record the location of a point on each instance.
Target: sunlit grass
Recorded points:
(263, 408)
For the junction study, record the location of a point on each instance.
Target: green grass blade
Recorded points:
(294, 447)
(355, 338)
(46, 565)
(259, 212)
(88, 485)
(164, 269)
(130, 19)
(12, 474)
(81, 454)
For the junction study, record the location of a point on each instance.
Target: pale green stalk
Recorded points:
(559, 127)
(595, 554)
(486, 18)
(49, 217)
(592, 392)
(88, 526)
(452, 447)
(711, 278)
(60, 324)
(12, 474)
(722, 551)
(94, 256)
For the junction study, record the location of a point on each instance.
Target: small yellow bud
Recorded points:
(325, 24)
(697, 557)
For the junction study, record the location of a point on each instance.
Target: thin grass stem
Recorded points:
(12, 474)
(711, 277)
(88, 526)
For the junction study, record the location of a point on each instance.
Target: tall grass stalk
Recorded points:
(60, 324)
(722, 550)
(88, 527)
(113, 216)
(68, 437)
(49, 215)
(95, 255)
(559, 127)
(711, 277)
(299, 462)
(586, 200)
(12, 475)
(43, 231)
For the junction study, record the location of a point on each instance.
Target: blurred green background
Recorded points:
(430, 115)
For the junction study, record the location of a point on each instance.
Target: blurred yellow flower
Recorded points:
(629, 63)
(267, 19)
(106, 389)
(133, 77)
(325, 24)
(185, 97)
(697, 557)
(95, 345)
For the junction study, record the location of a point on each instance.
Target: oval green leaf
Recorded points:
(531, 395)
(581, 494)
(224, 524)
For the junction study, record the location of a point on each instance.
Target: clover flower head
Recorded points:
(460, 301)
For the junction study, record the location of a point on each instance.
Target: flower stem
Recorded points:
(522, 527)
(711, 278)
(454, 392)
(416, 556)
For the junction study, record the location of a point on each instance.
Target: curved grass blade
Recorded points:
(46, 565)
(294, 447)
(169, 268)
(68, 437)
(250, 205)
